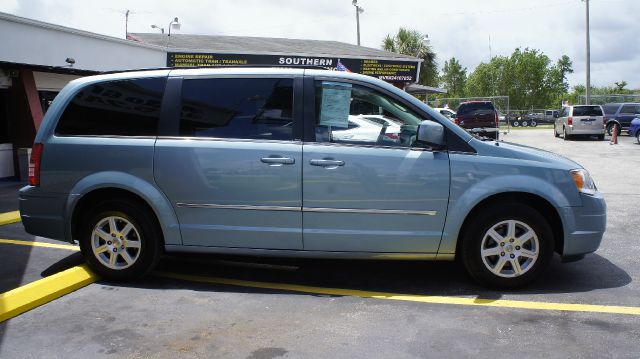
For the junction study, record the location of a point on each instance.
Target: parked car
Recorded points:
(634, 129)
(479, 117)
(244, 161)
(580, 120)
(620, 114)
(446, 112)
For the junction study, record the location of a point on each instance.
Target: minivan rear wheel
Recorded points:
(120, 240)
(507, 246)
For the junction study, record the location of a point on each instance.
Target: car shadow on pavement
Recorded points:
(401, 277)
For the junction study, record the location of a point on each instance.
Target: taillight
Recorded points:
(457, 120)
(497, 119)
(34, 164)
(570, 121)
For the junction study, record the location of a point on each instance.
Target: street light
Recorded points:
(175, 24)
(359, 10)
(158, 27)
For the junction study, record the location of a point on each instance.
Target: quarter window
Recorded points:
(114, 108)
(354, 114)
(238, 108)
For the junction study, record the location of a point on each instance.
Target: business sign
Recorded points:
(388, 70)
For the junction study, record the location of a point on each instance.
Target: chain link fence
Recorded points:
(603, 99)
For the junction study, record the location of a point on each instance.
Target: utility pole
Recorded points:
(359, 10)
(126, 24)
(588, 100)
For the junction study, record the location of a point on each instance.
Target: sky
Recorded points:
(470, 30)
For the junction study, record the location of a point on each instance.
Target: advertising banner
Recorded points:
(388, 70)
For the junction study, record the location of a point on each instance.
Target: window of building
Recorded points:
(114, 108)
(241, 108)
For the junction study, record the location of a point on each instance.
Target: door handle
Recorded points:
(278, 160)
(327, 163)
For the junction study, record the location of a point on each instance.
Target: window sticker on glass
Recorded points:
(334, 110)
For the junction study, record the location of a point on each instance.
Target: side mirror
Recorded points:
(431, 134)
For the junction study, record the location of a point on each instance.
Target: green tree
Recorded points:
(453, 78)
(412, 43)
(527, 77)
(620, 85)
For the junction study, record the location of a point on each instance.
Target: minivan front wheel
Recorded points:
(120, 240)
(507, 246)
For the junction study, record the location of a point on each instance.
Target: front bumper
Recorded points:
(42, 213)
(584, 226)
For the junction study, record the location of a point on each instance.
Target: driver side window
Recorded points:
(353, 114)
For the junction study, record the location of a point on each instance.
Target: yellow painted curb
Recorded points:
(32, 295)
(515, 304)
(9, 217)
(69, 247)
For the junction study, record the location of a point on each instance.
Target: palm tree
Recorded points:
(412, 43)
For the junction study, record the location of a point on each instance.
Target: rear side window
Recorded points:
(630, 109)
(610, 109)
(481, 108)
(114, 108)
(587, 111)
(238, 108)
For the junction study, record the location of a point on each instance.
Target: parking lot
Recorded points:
(212, 306)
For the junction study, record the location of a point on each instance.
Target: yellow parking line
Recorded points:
(40, 244)
(515, 304)
(75, 281)
(27, 297)
(9, 217)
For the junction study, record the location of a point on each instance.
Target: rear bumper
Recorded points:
(42, 214)
(582, 131)
(584, 226)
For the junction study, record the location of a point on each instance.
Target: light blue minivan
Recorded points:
(270, 162)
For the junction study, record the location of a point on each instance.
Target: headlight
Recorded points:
(583, 181)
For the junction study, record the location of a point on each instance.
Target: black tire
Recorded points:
(610, 127)
(475, 232)
(555, 133)
(145, 232)
(638, 137)
(525, 123)
(515, 123)
(533, 123)
(565, 135)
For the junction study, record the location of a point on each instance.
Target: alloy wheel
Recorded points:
(510, 249)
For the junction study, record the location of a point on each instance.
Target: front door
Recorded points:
(379, 193)
(234, 172)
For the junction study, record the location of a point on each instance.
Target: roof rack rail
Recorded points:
(311, 67)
